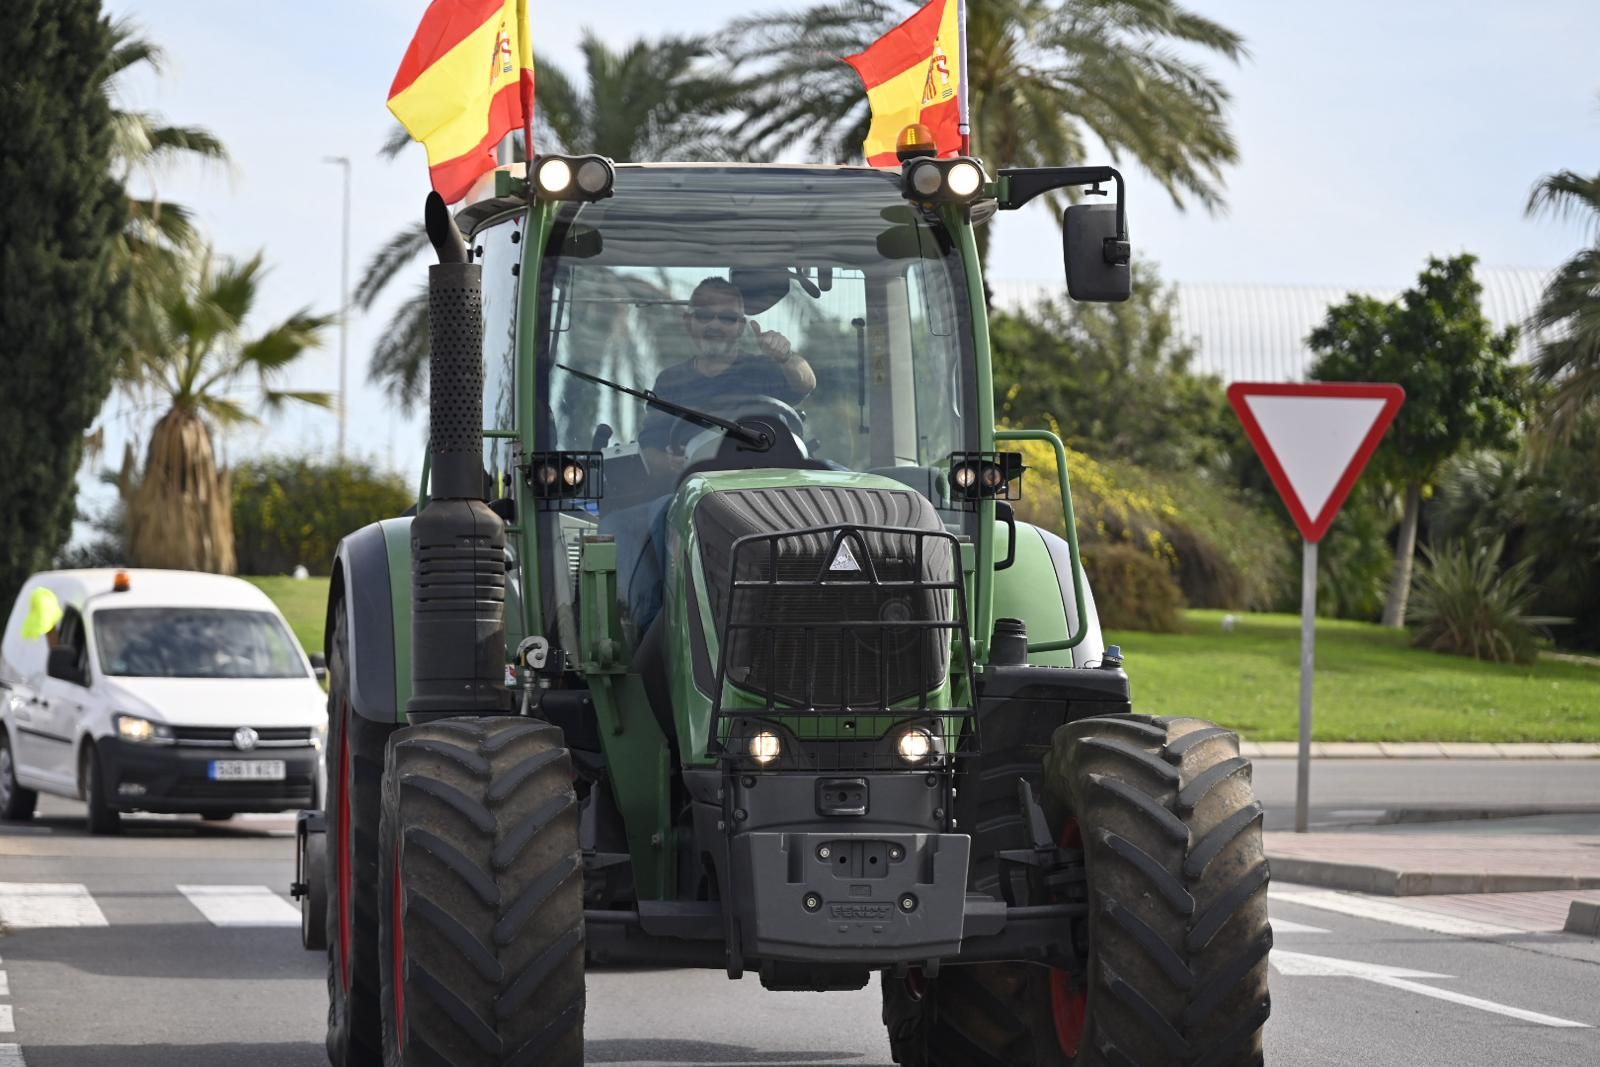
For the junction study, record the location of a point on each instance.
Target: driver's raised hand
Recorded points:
(773, 344)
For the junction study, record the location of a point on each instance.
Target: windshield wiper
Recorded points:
(743, 434)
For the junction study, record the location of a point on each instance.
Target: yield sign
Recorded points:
(1314, 440)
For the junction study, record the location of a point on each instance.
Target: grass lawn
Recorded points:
(303, 603)
(1370, 685)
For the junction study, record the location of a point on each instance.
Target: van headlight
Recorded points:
(143, 731)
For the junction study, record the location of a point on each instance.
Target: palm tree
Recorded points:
(1569, 312)
(657, 100)
(179, 509)
(1046, 79)
(159, 234)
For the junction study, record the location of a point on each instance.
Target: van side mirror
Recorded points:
(63, 664)
(319, 666)
(1097, 257)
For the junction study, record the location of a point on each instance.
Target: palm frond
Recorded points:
(400, 359)
(386, 263)
(276, 349)
(397, 140)
(274, 400)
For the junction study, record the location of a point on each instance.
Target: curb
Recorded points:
(1421, 750)
(1583, 918)
(1392, 882)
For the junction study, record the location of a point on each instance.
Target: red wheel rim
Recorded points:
(346, 931)
(397, 923)
(1069, 1005)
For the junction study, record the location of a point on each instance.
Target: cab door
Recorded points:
(65, 702)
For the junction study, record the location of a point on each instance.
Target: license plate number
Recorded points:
(247, 770)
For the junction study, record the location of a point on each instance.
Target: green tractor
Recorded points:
(715, 642)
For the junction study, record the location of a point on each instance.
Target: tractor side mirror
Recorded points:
(1097, 257)
(319, 666)
(63, 664)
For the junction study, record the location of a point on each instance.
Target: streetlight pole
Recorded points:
(344, 301)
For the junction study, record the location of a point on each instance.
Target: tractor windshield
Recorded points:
(819, 298)
(817, 302)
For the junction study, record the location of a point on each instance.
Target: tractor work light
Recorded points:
(765, 747)
(946, 181)
(915, 745)
(976, 476)
(564, 481)
(574, 177)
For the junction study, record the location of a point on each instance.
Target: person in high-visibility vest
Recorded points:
(44, 617)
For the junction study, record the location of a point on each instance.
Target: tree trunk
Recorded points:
(180, 513)
(1394, 607)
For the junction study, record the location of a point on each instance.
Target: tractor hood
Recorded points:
(831, 589)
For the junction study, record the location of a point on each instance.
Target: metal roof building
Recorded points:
(1258, 332)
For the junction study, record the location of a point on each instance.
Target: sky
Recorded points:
(1372, 134)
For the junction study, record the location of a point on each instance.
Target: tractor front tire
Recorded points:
(482, 902)
(1177, 928)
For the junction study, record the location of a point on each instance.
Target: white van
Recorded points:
(162, 691)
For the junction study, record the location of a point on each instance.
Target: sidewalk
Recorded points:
(1420, 750)
(1522, 855)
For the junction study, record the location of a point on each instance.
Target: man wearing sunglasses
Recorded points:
(734, 358)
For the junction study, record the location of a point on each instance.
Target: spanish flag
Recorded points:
(913, 74)
(465, 83)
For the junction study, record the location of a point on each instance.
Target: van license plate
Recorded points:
(247, 770)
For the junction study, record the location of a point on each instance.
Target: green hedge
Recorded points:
(1133, 590)
(293, 511)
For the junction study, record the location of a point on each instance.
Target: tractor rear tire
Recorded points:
(482, 902)
(1177, 928)
(355, 801)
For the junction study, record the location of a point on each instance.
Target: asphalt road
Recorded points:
(160, 983)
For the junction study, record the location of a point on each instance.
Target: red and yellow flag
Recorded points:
(465, 83)
(913, 74)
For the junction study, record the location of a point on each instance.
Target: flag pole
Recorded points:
(965, 120)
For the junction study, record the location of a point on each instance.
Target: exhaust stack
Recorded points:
(458, 563)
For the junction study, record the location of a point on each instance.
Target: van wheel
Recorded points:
(102, 817)
(16, 803)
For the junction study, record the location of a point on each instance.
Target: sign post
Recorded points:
(1314, 439)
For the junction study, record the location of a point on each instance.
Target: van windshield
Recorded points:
(194, 643)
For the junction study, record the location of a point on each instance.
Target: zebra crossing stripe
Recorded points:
(241, 905)
(7, 1024)
(5, 985)
(38, 904)
(11, 1056)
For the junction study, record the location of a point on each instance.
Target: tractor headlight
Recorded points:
(765, 747)
(915, 745)
(143, 731)
(574, 177)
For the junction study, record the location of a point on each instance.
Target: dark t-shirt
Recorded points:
(748, 376)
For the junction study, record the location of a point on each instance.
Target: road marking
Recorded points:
(1286, 926)
(241, 905)
(11, 1056)
(38, 904)
(1299, 963)
(5, 985)
(1384, 911)
(7, 1024)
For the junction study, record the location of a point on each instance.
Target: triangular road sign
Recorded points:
(1315, 439)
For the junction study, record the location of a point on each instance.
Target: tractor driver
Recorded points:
(734, 358)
